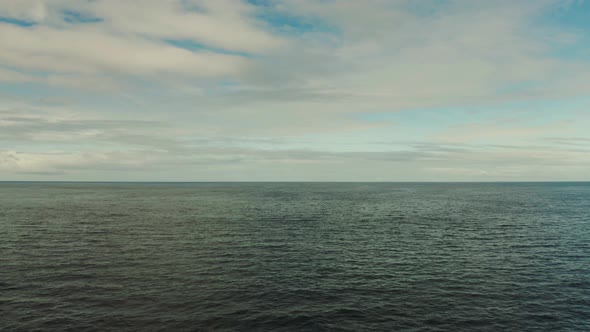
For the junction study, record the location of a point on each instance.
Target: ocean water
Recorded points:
(294, 257)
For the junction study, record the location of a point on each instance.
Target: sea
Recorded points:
(80, 256)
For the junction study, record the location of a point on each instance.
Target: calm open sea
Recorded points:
(294, 257)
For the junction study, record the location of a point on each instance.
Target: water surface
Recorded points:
(294, 257)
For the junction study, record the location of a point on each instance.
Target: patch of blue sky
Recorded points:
(574, 18)
(228, 84)
(191, 6)
(35, 73)
(423, 125)
(195, 46)
(16, 21)
(425, 8)
(294, 25)
(577, 51)
(411, 125)
(517, 87)
(290, 24)
(576, 15)
(28, 90)
(74, 17)
(392, 136)
(261, 3)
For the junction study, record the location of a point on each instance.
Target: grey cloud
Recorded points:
(577, 141)
(22, 129)
(208, 113)
(214, 160)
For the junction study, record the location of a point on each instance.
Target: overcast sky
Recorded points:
(312, 90)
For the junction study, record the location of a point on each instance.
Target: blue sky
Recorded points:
(298, 90)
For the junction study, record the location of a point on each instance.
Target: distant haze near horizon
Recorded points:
(302, 90)
(291, 182)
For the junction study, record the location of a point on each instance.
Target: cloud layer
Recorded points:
(294, 90)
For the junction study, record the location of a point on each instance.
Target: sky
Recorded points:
(295, 90)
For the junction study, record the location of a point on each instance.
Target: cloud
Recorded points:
(59, 163)
(381, 47)
(37, 129)
(12, 76)
(475, 162)
(208, 88)
(575, 141)
(393, 53)
(125, 40)
(478, 132)
(91, 52)
(219, 23)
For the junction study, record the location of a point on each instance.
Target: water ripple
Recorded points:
(294, 257)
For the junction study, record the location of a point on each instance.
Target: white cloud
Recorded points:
(254, 80)
(381, 50)
(62, 162)
(28, 10)
(13, 76)
(223, 24)
(87, 51)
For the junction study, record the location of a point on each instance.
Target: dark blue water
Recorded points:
(294, 257)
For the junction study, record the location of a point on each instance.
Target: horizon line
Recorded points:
(287, 181)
